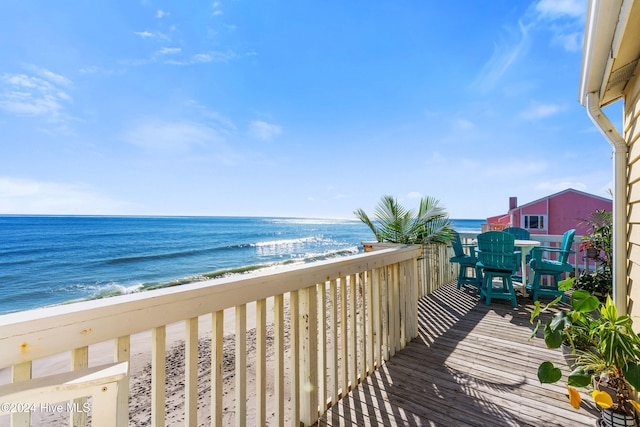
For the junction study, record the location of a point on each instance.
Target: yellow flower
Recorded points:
(574, 397)
(602, 399)
(635, 405)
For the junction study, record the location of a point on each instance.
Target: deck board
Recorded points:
(471, 365)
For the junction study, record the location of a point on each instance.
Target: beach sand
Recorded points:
(140, 373)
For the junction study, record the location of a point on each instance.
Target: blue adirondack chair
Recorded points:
(496, 258)
(466, 261)
(519, 234)
(553, 267)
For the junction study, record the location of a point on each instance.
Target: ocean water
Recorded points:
(47, 260)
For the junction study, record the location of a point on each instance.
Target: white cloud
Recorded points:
(23, 196)
(464, 124)
(565, 20)
(165, 136)
(265, 131)
(161, 14)
(559, 8)
(51, 76)
(571, 42)
(168, 51)
(540, 111)
(28, 95)
(216, 8)
(504, 56)
(144, 34)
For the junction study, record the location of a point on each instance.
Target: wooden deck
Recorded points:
(471, 365)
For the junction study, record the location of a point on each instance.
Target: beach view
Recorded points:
(282, 213)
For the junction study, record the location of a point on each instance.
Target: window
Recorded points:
(534, 222)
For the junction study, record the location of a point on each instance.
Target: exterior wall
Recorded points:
(564, 211)
(567, 210)
(632, 136)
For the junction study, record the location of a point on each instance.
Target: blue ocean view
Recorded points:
(47, 260)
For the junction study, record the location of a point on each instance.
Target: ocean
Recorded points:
(48, 260)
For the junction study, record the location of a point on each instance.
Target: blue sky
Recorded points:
(298, 108)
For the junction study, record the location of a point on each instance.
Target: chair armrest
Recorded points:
(536, 253)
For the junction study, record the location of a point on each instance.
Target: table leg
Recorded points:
(523, 267)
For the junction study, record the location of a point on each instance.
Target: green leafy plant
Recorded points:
(395, 224)
(600, 239)
(607, 348)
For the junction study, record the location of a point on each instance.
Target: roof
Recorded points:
(611, 49)
(568, 190)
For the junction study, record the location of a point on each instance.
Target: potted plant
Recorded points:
(609, 356)
(395, 224)
(588, 246)
(598, 245)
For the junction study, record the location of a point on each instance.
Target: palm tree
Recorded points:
(395, 224)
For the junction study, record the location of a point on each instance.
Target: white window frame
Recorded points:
(541, 219)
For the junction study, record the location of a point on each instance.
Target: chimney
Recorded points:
(513, 203)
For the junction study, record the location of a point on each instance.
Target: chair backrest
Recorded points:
(567, 241)
(496, 249)
(457, 245)
(518, 233)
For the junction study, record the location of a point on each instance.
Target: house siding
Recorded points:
(632, 136)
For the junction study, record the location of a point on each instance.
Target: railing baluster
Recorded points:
(261, 362)
(158, 375)
(294, 351)
(370, 332)
(362, 358)
(393, 308)
(384, 312)
(353, 354)
(403, 280)
(322, 346)
(415, 292)
(344, 350)
(333, 325)
(217, 360)
(397, 307)
(377, 318)
(278, 344)
(191, 372)
(241, 365)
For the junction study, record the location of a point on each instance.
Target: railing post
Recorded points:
(79, 360)
(21, 372)
(308, 316)
(123, 354)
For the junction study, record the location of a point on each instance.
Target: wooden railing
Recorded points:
(315, 330)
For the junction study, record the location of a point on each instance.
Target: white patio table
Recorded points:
(526, 246)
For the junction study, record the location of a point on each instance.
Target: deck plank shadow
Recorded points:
(471, 365)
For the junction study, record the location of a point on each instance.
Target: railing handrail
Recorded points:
(33, 334)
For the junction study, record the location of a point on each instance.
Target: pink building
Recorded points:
(553, 214)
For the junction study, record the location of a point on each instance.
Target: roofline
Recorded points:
(572, 190)
(606, 20)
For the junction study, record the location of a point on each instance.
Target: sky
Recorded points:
(292, 108)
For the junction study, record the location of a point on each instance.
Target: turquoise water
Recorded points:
(46, 260)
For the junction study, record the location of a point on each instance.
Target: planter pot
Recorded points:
(593, 253)
(376, 246)
(616, 419)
